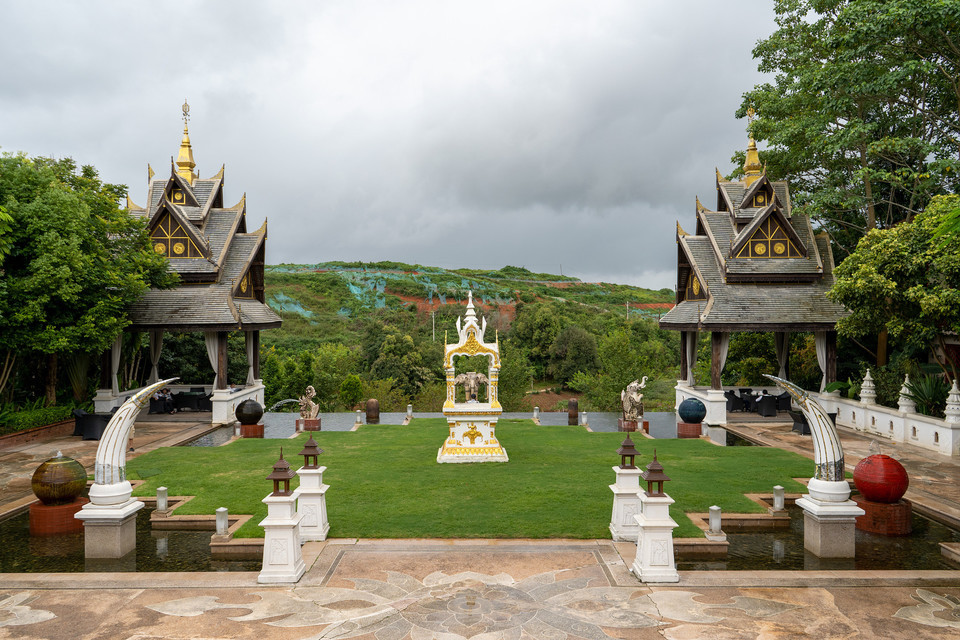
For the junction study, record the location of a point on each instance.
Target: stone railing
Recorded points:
(225, 401)
(712, 399)
(898, 425)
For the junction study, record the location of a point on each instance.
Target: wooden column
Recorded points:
(715, 338)
(683, 355)
(831, 373)
(222, 359)
(256, 354)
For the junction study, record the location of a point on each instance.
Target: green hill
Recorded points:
(323, 302)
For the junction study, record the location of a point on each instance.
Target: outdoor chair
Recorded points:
(733, 402)
(799, 422)
(767, 406)
(784, 402)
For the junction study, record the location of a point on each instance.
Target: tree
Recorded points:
(536, 327)
(861, 117)
(514, 378)
(351, 391)
(76, 262)
(904, 281)
(400, 360)
(573, 350)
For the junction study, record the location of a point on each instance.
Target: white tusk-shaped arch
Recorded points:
(110, 485)
(827, 451)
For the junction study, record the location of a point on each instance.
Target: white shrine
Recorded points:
(472, 423)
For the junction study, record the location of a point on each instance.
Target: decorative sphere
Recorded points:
(249, 411)
(59, 480)
(880, 478)
(692, 411)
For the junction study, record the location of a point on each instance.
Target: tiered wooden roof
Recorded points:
(220, 263)
(753, 264)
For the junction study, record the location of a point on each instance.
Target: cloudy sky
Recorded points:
(550, 134)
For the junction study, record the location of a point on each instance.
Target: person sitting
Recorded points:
(165, 399)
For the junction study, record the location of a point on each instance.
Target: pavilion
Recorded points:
(221, 268)
(753, 264)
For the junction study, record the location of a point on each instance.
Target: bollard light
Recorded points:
(223, 521)
(627, 453)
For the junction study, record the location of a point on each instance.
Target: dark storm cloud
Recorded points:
(541, 133)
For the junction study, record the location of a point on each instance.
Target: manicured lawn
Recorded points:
(385, 481)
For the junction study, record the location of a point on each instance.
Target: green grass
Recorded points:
(385, 481)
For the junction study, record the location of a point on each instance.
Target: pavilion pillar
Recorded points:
(253, 354)
(831, 372)
(222, 359)
(716, 359)
(683, 355)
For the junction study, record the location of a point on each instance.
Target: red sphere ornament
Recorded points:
(880, 478)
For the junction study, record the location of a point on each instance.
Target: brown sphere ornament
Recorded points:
(59, 480)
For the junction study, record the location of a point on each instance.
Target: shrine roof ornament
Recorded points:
(470, 332)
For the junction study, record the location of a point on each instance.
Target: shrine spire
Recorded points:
(185, 163)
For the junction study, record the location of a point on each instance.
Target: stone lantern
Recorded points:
(654, 475)
(282, 473)
(312, 502)
(627, 453)
(310, 453)
(282, 556)
(626, 500)
(655, 561)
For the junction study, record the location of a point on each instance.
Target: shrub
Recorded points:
(29, 418)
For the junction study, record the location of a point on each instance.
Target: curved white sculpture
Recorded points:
(829, 482)
(110, 485)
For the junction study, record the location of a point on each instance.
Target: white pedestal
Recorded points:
(312, 504)
(626, 505)
(829, 528)
(109, 531)
(282, 556)
(655, 561)
(472, 434)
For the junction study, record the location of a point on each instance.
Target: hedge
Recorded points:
(29, 418)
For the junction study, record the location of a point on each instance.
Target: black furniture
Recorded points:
(192, 400)
(734, 403)
(767, 406)
(783, 402)
(799, 422)
(90, 425)
(748, 399)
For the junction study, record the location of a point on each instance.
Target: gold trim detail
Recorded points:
(770, 240)
(169, 234)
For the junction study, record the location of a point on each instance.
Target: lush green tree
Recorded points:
(904, 281)
(861, 116)
(573, 350)
(623, 358)
(515, 376)
(75, 262)
(400, 361)
(351, 391)
(536, 327)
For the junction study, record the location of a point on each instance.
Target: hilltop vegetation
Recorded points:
(384, 323)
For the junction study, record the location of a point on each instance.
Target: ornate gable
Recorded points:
(770, 236)
(173, 237)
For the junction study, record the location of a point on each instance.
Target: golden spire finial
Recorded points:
(680, 231)
(752, 169)
(185, 163)
(700, 207)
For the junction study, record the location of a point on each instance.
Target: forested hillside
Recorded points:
(358, 330)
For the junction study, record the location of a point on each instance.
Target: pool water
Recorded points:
(783, 550)
(156, 551)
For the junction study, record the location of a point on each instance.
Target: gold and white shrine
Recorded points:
(472, 423)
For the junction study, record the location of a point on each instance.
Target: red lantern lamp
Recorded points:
(880, 478)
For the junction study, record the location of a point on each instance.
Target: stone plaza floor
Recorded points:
(481, 589)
